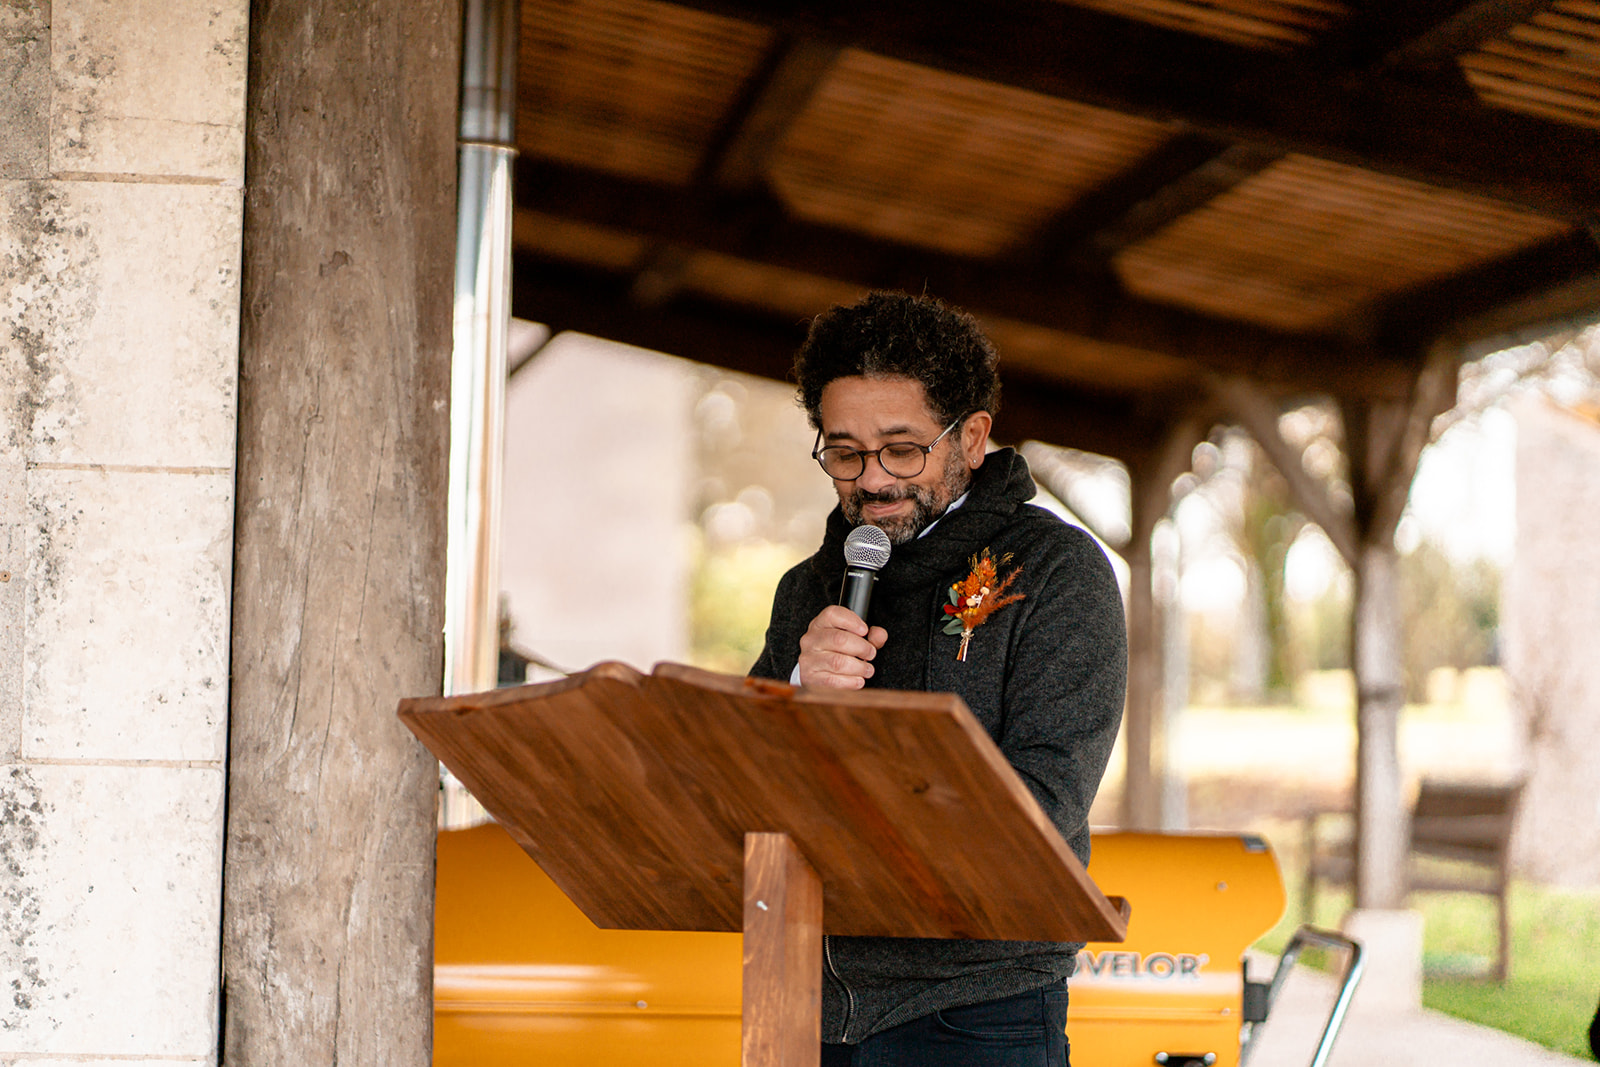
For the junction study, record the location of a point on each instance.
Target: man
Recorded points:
(902, 391)
(1594, 1035)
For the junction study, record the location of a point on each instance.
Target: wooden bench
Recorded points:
(1468, 824)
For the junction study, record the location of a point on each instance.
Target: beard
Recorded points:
(929, 502)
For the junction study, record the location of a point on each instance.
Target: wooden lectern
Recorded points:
(685, 800)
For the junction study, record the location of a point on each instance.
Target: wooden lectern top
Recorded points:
(634, 792)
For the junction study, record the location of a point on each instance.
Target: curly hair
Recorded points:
(898, 335)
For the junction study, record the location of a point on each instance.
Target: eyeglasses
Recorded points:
(902, 459)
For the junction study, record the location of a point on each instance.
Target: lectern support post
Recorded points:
(782, 1024)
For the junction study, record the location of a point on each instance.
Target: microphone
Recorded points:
(866, 550)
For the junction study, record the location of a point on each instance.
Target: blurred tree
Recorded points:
(730, 599)
(1268, 526)
(1451, 612)
(1258, 512)
(759, 505)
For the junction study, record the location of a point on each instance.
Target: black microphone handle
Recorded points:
(856, 592)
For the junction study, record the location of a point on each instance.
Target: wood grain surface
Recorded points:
(634, 794)
(782, 981)
(339, 542)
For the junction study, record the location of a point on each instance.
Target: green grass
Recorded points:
(1555, 969)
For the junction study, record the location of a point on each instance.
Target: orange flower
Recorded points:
(977, 596)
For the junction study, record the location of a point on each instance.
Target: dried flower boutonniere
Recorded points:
(977, 596)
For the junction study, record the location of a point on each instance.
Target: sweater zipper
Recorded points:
(849, 997)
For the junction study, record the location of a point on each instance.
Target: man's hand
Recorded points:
(836, 650)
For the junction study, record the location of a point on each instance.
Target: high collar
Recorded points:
(999, 487)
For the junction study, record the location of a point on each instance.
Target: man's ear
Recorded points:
(975, 437)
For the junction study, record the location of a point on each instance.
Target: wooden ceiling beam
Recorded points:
(604, 306)
(1188, 193)
(1468, 305)
(1463, 29)
(1376, 33)
(1072, 236)
(1285, 102)
(750, 227)
(1036, 409)
(776, 94)
(1032, 407)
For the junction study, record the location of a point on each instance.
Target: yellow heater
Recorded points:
(522, 977)
(1176, 985)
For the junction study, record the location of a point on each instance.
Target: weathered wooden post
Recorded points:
(1383, 441)
(340, 530)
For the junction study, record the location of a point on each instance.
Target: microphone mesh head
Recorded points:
(866, 546)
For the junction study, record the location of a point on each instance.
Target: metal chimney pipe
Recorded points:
(482, 323)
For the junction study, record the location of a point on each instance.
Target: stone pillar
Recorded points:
(121, 165)
(339, 553)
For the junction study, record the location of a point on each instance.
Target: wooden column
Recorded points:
(782, 1022)
(1378, 657)
(1383, 441)
(339, 538)
(1144, 721)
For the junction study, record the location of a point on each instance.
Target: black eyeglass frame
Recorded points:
(862, 454)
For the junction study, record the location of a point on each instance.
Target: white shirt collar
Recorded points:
(956, 503)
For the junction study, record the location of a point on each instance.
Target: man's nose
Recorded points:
(875, 479)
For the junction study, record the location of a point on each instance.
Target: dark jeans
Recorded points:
(1027, 1030)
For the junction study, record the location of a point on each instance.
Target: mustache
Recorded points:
(888, 495)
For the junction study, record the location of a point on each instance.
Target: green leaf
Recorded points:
(954, 626)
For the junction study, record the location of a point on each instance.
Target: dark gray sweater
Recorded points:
(1045, 676)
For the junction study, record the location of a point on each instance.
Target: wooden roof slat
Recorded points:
(1520, 87)
(1306, 240)
(1188, 24)
(1533, 107)
(576, 241)
(1536, 58)
(1253, 23)
(930, 158)
(1548, 65)
(1556, 39)
(1266, 21)
(633, 86)
(1577, 27)
(1304, 247)
(1292, 197)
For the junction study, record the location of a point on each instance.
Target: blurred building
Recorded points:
(594, 559)
(1552, 619)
